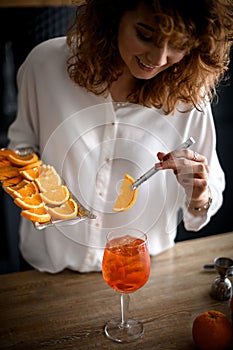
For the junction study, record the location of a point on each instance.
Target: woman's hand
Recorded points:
(191, 170)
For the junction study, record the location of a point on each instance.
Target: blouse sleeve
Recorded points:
(205, 134)
(23, 132)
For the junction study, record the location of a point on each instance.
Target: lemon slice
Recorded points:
(68, 210)
(57, 195)
(48, 178)
(127, 196)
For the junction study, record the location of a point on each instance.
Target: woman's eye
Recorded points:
(142, 36)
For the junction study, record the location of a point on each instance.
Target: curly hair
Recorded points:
(203, 28)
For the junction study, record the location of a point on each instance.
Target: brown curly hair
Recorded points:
(203, 28)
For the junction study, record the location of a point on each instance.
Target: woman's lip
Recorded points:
(145, 66)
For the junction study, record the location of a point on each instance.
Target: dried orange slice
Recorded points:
(6, 172)
(34, 201)
(81, 211)
(12, 181)
(32, 165)
(48, 178)
(16, 159)
(57, 195)
(67, 210)
(4, 152)
(11, 189)
(26, 191)
(36, 215)
(4, 162)
(127, 196)
(30, 174)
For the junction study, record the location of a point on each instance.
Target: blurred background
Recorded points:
(24, 27)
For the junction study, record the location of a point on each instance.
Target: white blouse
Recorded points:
(92, 142)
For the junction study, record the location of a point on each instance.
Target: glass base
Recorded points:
(127, 333)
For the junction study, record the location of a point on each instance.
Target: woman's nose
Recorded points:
(158, 56)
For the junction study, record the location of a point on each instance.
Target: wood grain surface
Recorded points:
(68, 310)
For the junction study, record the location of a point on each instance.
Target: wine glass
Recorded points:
(125, 268)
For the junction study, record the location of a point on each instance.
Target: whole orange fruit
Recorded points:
(212, 330)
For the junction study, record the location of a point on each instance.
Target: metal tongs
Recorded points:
(153, 170)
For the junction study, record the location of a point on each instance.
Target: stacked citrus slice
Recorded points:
(36, 188)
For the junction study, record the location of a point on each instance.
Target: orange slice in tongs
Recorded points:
(127, 196)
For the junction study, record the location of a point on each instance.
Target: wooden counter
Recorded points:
(68, 310)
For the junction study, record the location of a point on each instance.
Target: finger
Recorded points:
(194, 181)
(199, 170)
(161, 155)
(188, 154)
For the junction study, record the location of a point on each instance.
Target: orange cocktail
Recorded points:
(126, 263)
(126, 268)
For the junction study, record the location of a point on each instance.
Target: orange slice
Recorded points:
(36, 215)
(4, 152)
(57, 195)
(11, 189)
(48, 178)
(32, 165)
(67, 210)
(6, 172)
(34, 201)
(127, 196)
(30, 174)
(12, 181)
(16, 159)
(80, 211)
(4, 162)
(26, 191)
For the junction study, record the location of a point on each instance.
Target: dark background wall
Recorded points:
(21, 30)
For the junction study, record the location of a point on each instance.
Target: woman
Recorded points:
(133, 80)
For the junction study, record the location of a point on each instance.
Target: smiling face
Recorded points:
(137, 45)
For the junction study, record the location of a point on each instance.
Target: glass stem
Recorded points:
(124, 309)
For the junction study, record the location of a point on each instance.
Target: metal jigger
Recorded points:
(221, 288)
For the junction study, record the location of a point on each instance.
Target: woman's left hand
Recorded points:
(191, 170)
